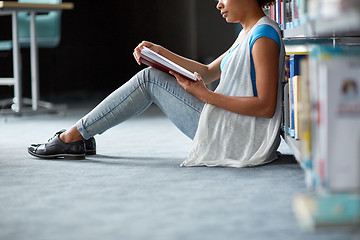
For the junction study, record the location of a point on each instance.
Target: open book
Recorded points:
(153, 59)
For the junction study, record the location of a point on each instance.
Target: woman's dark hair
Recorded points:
(265, 3)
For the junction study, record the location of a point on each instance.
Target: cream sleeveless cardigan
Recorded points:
(228, 139)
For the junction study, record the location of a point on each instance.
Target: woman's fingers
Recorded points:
(137, 58)
(185, 83)
(177, 76)
(197, 88)
(197, 75)
(139, 47)
(137, 52)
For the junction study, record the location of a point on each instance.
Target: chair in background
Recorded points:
(48, 36)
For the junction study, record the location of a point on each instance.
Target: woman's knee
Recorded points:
(150, 75)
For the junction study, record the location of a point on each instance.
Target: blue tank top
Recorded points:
(260, 31)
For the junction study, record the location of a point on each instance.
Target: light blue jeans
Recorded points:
(135, 96)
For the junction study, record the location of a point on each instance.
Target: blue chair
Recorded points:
(47, 27)
(48, 36)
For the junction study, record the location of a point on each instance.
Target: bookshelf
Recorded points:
(342, 30)
(303, 31)
(345, 25)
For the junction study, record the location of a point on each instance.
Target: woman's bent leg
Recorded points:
(146, 87)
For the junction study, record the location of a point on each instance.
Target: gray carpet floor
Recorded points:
(135, 189)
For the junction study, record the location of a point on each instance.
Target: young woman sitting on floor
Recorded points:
(237, 125)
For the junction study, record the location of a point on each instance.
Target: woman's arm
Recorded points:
(209, 72)
(265, 54)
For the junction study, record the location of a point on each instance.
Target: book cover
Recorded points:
(294, 62)
(153, 59)
(282, 14)
(286, 118)
(278, 12)
(296, 82)
(305, 124)
(302, 10)
(339, 123)
(272, 12)
(313, 9)
(295, 11)
(288, 14)
(291, 130)
(318, 56)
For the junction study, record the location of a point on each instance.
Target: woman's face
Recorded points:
(231, 10)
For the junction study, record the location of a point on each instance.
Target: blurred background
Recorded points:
(94, 56)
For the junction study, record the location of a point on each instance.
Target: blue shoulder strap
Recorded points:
(261, 31)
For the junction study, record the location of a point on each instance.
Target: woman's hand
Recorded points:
(137, 50)
(196, 88)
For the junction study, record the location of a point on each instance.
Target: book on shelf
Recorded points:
(305, 123)
(282, 12)
(153, 59)
(288, 13)
(339, 123)
(329, 9)
(318, 55)
(272, 12)
(320, 134)
(286, 115)
(292, 13)
(301, 7)
(296, 96)
(335, 133)
(287, 100)
(312, 8)
(294, 65)
(279, 12)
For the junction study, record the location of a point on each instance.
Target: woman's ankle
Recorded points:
(72, 135)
